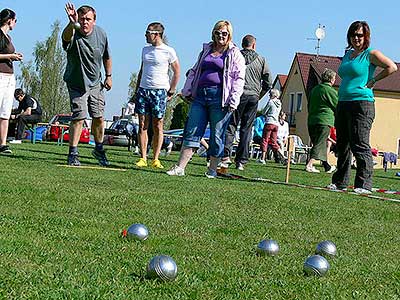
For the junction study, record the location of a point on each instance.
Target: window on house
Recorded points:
(291, 109)
(299, 101)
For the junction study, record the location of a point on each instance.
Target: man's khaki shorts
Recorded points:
(91, 101)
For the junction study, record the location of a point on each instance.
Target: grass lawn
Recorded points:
(60, 231)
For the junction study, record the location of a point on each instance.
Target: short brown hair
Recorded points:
(248, 41)
(157, 26)
(84, 9)
(353, 28)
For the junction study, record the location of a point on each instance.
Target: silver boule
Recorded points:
(77, 26)
(268, 247)
(326, 248)
(138, 232)
(316, 265)
(162, 267)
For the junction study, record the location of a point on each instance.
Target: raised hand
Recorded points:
(71, 12)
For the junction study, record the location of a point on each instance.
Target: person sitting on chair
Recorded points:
(28, 112)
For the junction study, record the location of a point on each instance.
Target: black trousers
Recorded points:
(353, 124)
(22, 121)
(245, 114)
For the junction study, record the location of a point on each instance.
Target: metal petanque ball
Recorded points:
(162, 267)
(268, 247)
(77, 26)
(316, 265)
(138, 232)
(326, 248)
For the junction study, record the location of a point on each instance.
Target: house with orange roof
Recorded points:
(305, 73)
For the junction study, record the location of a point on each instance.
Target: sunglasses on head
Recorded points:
(221, 33)
(152, 32)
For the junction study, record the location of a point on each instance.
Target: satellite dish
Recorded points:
(320, 33)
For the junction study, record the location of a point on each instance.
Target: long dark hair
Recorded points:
(5, 15)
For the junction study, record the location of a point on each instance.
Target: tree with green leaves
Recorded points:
(43, 77)
(179, 115)
(132, 86)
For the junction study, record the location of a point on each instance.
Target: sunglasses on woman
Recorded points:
(221, 33)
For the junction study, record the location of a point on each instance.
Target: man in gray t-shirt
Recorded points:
(87, 50)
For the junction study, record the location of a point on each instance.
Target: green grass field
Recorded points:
(60, 231)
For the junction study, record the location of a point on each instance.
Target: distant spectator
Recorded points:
(321, 117)
(270, 132)
(28, 112)
(258, 129)
(283, 131)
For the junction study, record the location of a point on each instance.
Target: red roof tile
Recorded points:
(282, 79)
(309, 62)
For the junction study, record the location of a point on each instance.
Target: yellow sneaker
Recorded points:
(157, 164)
(141, 163)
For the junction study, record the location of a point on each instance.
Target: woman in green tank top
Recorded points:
(356, 111)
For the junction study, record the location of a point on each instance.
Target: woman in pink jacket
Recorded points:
(213, 86)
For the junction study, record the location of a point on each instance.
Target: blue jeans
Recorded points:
(207, 108)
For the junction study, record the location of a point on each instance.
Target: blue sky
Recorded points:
(281, 28)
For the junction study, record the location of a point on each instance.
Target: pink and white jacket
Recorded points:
(233, 76)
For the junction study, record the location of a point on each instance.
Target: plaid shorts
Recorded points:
(151, 102)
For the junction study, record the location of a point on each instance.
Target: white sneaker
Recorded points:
(15, 142)
(331, 170)
(223, 164)
(261, 161)
(176, 171)
(362, 191)
(333, 187)
(240, 166)
(312, 170)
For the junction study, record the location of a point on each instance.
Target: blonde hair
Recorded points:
(218, 26)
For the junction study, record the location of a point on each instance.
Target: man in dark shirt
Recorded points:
(257, 84)
(28, 112)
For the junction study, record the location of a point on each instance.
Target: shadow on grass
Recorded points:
(139, 276)
(390, 178)
(31, 158)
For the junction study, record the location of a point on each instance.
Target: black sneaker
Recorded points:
(73, 160)
(4, 149)
(101, 157)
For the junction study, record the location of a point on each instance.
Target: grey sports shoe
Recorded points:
(73, 160)
(211, 174)
(101, 157)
